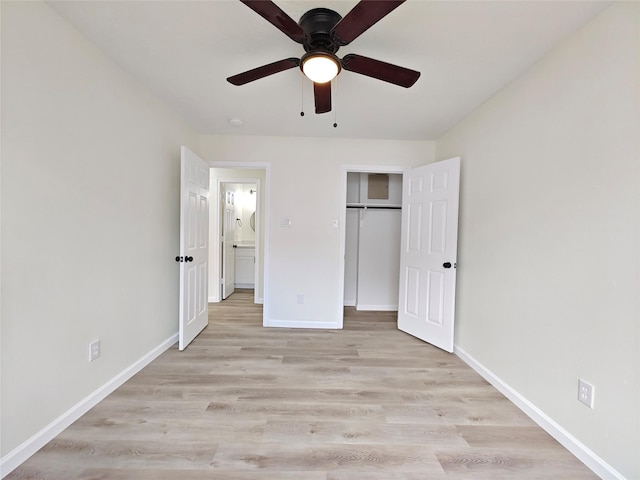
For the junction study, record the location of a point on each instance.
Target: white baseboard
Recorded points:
(259, 301)
(22, 452)
(301, 324)
(377, 308)
(571, 443)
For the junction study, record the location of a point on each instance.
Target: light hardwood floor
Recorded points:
(245, 402)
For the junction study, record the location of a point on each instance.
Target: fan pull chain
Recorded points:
(302, 96)
(335, 110)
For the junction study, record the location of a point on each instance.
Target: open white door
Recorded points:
(228, 241)
(428, 252)
(194, 246)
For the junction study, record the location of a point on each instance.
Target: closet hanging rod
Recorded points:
(380, 207)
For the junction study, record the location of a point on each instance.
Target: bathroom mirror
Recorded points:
(252, 221)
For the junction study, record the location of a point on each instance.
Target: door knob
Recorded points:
(178, 258)
(446, 264)
(188, 259)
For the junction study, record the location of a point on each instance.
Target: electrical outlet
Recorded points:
(586, 392)
(300, 299)
(94, 350)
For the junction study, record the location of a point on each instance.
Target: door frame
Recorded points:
(344, 170)
(262, 226)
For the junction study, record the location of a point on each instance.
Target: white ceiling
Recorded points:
(183, 51)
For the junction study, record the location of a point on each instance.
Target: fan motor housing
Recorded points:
(317, 25)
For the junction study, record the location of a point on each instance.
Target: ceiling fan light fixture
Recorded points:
(320, 67)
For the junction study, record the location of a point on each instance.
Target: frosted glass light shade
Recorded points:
(320, 68)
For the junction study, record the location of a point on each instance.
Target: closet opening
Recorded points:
(372, 240)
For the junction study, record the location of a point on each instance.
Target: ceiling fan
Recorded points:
(322, 32)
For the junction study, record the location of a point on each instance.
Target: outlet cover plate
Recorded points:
(94, 350)
(585, 393)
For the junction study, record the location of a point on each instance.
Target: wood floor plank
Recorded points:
(501, 436)
(504, 462)
(364, 432)
(244, 402)
(268, 457)
(138, 474)
(385, 475)
(458, 412)
(274, 410)
(65, 458)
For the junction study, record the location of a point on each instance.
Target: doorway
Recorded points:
(372, 240)
(237, 231)
(428, 248)
(238, 211)
(351, 219)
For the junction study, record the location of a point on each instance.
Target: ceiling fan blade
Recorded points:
(274, 15)
(381, 70)
(264, 71)
(322, 95)
(361, 17)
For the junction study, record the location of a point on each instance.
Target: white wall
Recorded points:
(548, 264)
(378, 259)
(305, 187)
(90, 206)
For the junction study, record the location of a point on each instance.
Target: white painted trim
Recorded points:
(240, 165)
(343, 245)
(373, 169)
(266, 247)
(22, 452)
(302, 324)
(245, 285)
(566, 439)
(377, 308)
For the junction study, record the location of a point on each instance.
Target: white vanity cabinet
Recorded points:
(245, 266)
